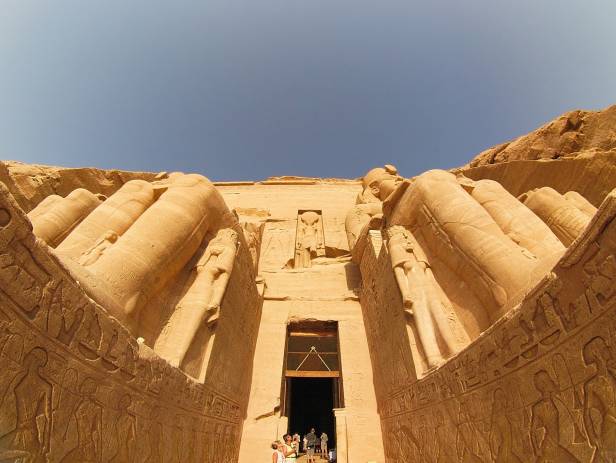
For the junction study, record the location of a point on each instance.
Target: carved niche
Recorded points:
(309, 238)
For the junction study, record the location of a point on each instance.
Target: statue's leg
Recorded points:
(63, 215)
(516, 220)
(159, 244)
(561, 215)
(423, 318)
(186, 320)
(116, 214)
(437, 310)
(458, 230)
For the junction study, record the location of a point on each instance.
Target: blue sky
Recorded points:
(241, 90)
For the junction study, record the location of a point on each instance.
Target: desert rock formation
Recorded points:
(574, 134)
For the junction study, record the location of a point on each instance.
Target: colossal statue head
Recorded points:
(381, 181)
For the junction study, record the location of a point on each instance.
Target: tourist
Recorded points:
(311, 442)
(290, 454)
(278, 455)
(324, 440)
(296, 442)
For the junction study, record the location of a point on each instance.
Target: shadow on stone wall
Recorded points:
(76, 386)
(539, 383)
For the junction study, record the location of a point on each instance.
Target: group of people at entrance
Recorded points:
(288, 450)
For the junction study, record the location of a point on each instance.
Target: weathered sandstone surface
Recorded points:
(574, 134)
(577, 152)
(30, 183)
(470, 314)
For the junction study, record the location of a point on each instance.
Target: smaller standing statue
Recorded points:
(421, 295)
(309, 242)
(201, 303)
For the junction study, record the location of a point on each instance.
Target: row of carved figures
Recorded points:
(128, 248)
(546, 421)
(74, 422)
(463, 246)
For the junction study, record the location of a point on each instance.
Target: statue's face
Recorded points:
(385, 185)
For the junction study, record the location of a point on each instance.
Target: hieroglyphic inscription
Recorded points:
(77, 387)
(539, 385)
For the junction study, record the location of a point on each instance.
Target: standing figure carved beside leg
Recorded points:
(420, 295)
(201, 303)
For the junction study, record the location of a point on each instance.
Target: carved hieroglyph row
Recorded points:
(75, 386)
(539, 385)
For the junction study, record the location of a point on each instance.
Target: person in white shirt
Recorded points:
(278, 455)
(290, 454)
(296, 442)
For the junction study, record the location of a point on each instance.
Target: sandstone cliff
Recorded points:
(576, 133)
(31, 183)
(575, 152)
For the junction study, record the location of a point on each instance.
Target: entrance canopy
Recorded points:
(312, 350)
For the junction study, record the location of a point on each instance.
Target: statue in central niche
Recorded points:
(422, 298)
(309, 242)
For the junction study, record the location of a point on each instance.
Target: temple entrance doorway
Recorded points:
(312, 383)
(311, 406)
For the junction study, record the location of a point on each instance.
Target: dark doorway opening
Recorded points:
(312, 401)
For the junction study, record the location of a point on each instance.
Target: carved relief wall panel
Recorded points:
(76, 386)
(539, 385)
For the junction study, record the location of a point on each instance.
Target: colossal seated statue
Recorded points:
(44, 206)
(561, 213)
(201, 303)
(377, 185)
(135, 245)
(491, 242)
(115, 215)
(515, 220)
(55, 217)
(581, 203)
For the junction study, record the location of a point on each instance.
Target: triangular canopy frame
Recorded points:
(313, 351)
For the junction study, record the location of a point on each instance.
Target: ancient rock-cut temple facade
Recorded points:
(458, 316)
